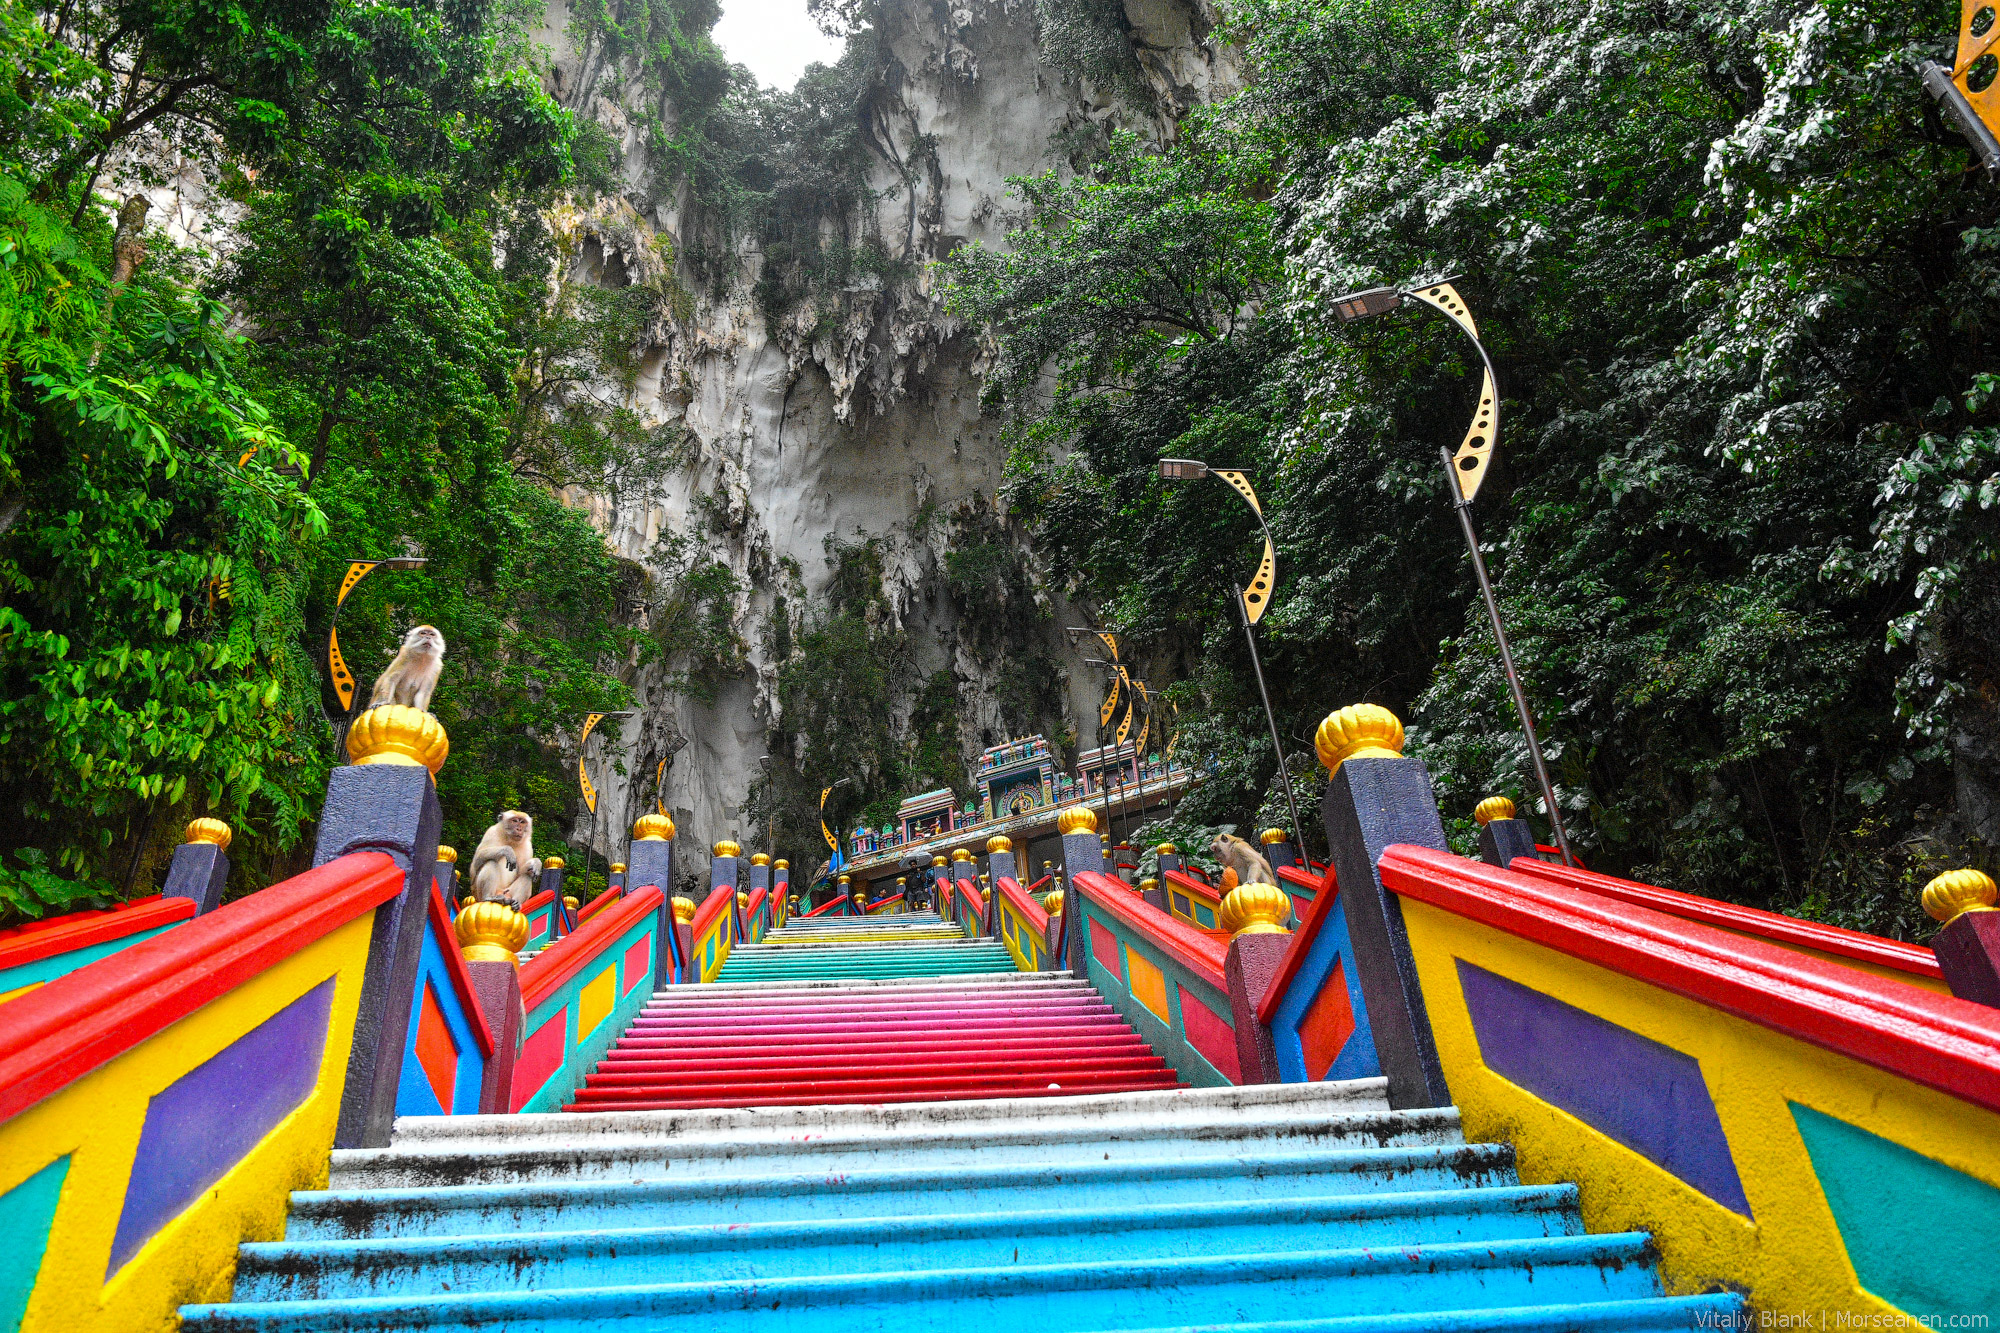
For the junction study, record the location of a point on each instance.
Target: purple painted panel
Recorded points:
(205, 1121)
(1647, 1096)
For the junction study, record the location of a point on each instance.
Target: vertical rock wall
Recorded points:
(847, 426)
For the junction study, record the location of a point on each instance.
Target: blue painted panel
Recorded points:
(1647, 1096)
(205, 1121)
(26, 1213)
(1918, 1232)
(1357, 1058)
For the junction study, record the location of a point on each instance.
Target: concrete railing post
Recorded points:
(385, 802)
(1375, 799)
(200, 868)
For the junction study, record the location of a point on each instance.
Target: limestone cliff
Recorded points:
(857, 411)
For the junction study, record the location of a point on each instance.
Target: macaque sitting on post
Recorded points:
(505, 869)
(1241, 863)
(412, 678)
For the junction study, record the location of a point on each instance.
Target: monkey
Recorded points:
(1239, 856)
(505, 869)
(413, 676)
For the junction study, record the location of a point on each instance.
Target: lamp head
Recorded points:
(1366, 305)
(1182, 469)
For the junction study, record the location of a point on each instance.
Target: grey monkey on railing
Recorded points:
(412, 678)
(505, 869)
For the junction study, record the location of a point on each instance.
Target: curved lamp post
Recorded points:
(336, 696)
(1253, 599)
(1465, 470)
(590, 722)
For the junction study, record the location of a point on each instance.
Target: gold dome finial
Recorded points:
(490, 932)
(986, 895)
(617, 867)
(1255, 909)
(860, 900)
(1358, 731)
(569, 901)
(1149, 886)
(1492, 808)
(900, 881)
(554, 863)
(1166, 849)
(397, 734)
(467, 901)
(1077, 819)
(210, 830)
(727, 847)
(447, 854)
(760, 859)
(1052, 902)
(845, 879)
(1956, 892)
(683, 910)
(781, 864)
(999, 843)
(742, 901)
(937, 861)
(653, 828)
(960, 854)
(1271, 836)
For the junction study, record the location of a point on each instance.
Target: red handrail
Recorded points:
(1010, 889)
(57, 1033)
(37, 940)
(600, 902)
(542, 974)
(1945, 1043)
(1853, 944)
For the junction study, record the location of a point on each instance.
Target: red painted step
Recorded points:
(936, 1040)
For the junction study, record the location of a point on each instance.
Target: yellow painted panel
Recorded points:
(1791, 1258)
(1149, 985)
(18, 992)
(97, 1120)
(594, 1002)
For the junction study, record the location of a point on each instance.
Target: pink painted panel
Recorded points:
(541, 1055)
(1104, 948)
(638, 958)
(1210, 1034)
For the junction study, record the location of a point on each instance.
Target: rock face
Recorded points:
(808, 427)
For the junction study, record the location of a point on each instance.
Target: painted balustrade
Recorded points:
(158, 1106)
(1166, 976)
(1022, 925)
(1193, 900)
(1786, 1125)
(890, 905)
(580, 992)
(714, 933)
(541, 910)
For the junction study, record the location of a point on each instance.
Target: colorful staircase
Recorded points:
(1301, 1207)
(901, 1040)
(914, 944)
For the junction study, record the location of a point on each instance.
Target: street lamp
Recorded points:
(590, 722)
(836, 860)
(1252, 601)
(1465, 470)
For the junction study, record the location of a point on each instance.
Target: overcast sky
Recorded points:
(774, 38)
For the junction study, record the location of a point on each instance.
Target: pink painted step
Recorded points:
(938, 1041)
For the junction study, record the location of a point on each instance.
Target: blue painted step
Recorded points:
(1308, 1208)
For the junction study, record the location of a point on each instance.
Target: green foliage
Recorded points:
(178, 503)
(1736, 277)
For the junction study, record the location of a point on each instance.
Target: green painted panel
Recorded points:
(1919, 1233)
(26, 1213)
